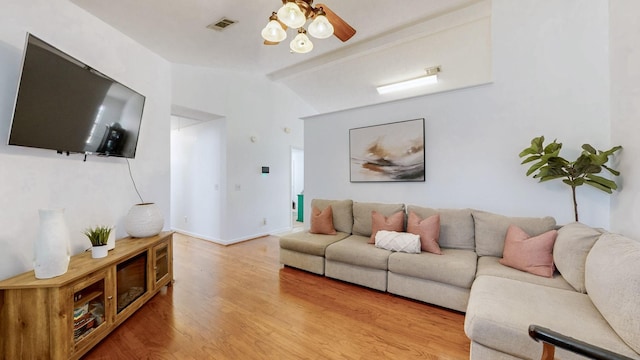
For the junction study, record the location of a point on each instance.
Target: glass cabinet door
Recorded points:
(161, 263)
(91, 298)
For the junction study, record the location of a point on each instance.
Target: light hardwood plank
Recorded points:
(238, 302)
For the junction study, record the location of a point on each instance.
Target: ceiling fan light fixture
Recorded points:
(320, 28)
(273, 31)
(291, 15)
(301, 43)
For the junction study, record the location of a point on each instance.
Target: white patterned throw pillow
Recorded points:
(398, 241)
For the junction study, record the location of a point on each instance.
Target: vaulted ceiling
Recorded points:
(392, 41)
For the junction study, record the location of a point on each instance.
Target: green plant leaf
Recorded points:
(589, 148)
(602, 181)
(552, 148)
(537, 143)
(530, 159)
(599, 186)
(535, 167)
(574, 183)
(527, 151)
(612, 171)
(612, 150)
(550, 177)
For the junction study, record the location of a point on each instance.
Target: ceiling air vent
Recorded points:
(221, 24)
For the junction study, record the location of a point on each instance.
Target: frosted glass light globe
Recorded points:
(291, 15)
(301, 44)
(274, 32)
(320, 28)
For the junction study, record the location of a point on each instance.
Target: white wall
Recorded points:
(625, 107)
(198, 168)
(252, 106)
(550, 69)
(95, 192)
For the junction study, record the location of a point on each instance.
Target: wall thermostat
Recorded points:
(265, 169)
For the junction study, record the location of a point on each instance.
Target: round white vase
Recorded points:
(143, 220)
(98, 252)
(52, 245)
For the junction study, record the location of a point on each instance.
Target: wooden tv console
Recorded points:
(65, 316)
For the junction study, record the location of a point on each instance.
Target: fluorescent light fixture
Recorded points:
(430, 78)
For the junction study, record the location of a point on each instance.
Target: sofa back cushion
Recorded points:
(491, 229)
(342, 213)
(612, 279)
(362, 215)
(570, 251)
(456, 226)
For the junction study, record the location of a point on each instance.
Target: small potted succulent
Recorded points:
(99, 236)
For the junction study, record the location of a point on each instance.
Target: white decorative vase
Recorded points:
(143, 220)
(98, 252)
(111, 243)
(52, 246)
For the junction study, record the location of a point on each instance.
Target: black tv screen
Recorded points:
(64, 105)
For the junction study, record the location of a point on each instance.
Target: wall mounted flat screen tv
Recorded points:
(65, 105)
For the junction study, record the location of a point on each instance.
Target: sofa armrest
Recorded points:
(551, 339)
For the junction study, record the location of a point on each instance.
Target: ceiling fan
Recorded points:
(294, 14)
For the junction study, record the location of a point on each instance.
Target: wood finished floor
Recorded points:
(238, 302)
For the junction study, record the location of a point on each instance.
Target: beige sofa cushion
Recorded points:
(454, 267)
(356, 250)
(570, 252)
(307, 243)
(362, 215)
(500, 311)
(342, 213)
(612, 279)
(490, 265)
(456, 226)
(490, 230)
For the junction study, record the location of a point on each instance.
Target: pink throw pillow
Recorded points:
(322, 221)
(531, 254)
(428, 229)
(379, 222)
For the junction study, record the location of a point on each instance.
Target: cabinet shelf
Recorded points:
(85, 299)
(65, 316)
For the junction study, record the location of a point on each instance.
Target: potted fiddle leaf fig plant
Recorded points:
(549, 165)
(98, 236)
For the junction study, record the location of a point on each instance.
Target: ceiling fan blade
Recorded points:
(341, 29)
(267, 42)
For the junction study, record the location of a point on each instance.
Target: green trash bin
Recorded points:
(300, 208)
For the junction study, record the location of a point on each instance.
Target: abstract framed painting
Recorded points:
(391, 152)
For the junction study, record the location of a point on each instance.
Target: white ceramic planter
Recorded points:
(52, 245)
(98, 252)
(143, 220)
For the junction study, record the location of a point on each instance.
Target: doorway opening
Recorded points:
(297, 188)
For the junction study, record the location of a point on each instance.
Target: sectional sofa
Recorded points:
(592, 291)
